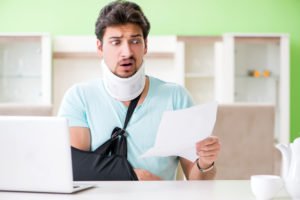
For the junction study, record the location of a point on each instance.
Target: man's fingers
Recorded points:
(212, 147)
(203, 146)
(207, 153)
(208, 141)
(208, 150)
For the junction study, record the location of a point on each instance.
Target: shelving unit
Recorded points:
(244, 53)
(25, 69)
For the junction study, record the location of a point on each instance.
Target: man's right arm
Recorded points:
(80, 138)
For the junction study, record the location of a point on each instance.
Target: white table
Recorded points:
(154, 190)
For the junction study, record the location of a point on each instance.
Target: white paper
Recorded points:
(179, 131)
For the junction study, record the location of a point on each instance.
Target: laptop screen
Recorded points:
(35, 154)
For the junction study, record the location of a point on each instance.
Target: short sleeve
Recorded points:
(182, 98)
(73, 107)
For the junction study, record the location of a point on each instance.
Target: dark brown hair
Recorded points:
(121, 12)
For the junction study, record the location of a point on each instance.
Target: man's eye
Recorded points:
(136, 41)
(115, 42)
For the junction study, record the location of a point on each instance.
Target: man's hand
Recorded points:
(208, 150)
(144, 175)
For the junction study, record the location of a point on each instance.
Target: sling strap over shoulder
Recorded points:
(129, 113)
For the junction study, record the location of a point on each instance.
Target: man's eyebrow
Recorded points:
(115, 37)
(119, 37)
(136, 35)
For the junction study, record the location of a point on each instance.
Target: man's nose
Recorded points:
(126, 51)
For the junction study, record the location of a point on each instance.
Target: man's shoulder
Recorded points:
(90, 84)
(85, 87)
(178, 93)
(165, 86)
(162, 83)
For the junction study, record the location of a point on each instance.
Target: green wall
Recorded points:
(188, 17)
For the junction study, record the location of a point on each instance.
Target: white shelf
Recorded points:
(198, 75)
(20, 76)
(275, 78)
(25, 67)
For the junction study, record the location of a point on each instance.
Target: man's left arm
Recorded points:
(203, 168)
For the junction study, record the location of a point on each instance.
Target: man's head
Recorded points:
(119, 13)
(122, 30)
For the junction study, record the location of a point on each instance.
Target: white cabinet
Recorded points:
(256, 70)
(199, 66)
(25, 69)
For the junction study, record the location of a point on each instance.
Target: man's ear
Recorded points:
(146, 46)
(99, 48)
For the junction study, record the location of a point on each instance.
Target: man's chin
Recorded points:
(125, 74)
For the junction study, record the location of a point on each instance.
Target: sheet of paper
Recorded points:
(180, 130)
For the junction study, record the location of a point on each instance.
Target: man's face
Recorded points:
(123, 48)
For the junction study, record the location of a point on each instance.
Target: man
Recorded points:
(96, 107)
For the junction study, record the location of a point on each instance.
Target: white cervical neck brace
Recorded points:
(124, 89)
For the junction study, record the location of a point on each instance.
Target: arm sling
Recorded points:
(108, 161)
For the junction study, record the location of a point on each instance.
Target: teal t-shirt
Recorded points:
(89, 105)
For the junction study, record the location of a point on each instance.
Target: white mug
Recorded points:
(265, 187)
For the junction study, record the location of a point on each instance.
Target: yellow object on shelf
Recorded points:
(266, 73)
(254, 73)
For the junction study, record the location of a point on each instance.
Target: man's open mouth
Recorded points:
(126, 64)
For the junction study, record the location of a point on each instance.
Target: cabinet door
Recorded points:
(257, 66)
(200, 67)
(25, 69)
(256, 71)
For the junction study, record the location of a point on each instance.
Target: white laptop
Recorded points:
(35, 155)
